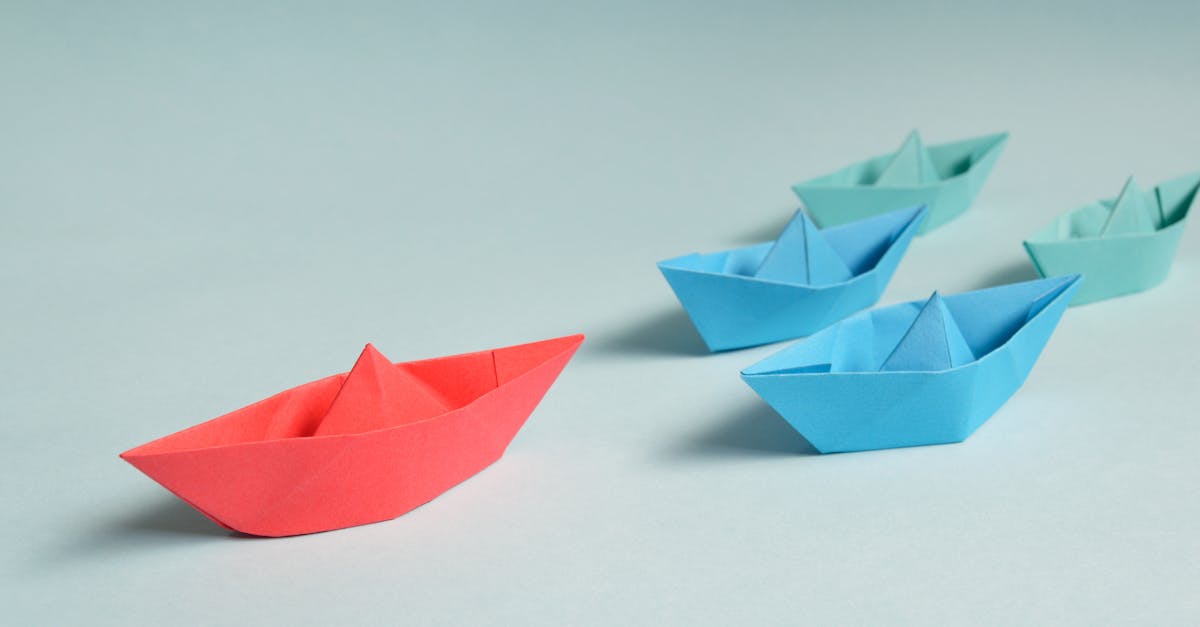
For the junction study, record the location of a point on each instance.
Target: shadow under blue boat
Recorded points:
(668, 332)
(752, 429)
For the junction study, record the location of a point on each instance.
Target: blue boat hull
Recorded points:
(858, 411)
(732, 310)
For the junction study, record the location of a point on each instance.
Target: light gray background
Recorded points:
(205, 205)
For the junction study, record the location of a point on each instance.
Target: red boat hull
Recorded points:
(258, 471)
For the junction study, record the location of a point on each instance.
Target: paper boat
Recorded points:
(358, 447)
(916, 373)
(804, 281)
(1121, 245)
(945, 177)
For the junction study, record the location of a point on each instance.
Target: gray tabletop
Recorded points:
(203, 206)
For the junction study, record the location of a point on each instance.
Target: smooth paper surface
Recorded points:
(911, 164)
(1122, 245)
(915, 373)
(356, 448)
(804, 281)
(945, 177)
(802, 254)
(933, 342)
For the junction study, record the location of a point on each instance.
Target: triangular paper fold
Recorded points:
(359, 447)
(377, 394)
(1123, 245)
(920, 401)
(933, 342)
(802, 255)
(1131, 213)
(910, 165)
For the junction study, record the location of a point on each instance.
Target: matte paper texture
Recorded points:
(1122, 245)
(915, 373)
(945, 177)
(356, 448)
(802, 282)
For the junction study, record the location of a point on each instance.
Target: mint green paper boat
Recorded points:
(1121, 245)
(944, 177)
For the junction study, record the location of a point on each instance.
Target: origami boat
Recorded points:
(915, 373)
(804, 281)
(357, 447)
(1121, 245)
(945, 177)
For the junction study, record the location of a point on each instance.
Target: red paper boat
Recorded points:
(357, 447)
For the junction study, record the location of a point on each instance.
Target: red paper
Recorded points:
(358, 447)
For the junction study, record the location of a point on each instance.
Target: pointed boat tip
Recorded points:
(916, 214)
(998, 137)
(370, 350)
(569, 343)
(557, 345)
(1055, 282)
(993, 141)
(799, 215)
(1059, 286)
(914, 135)
(134, 453)
(1032, 250)
(670, 263)
(919, 214)
(1063, 279)
(676, 264)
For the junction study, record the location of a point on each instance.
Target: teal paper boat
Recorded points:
(804, 281)
(945, 177)
(916, 373)
(1121, 245)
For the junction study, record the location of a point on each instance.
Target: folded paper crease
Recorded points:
(923, 372)
(359, 447)
(945, 177)
(1122, 245)
(803, 281)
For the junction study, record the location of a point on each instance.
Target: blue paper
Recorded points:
(933, 342)
(806, 280)
(915, 373)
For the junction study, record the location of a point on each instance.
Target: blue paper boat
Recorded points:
(916, 373)
(804, 281)
(945, 177)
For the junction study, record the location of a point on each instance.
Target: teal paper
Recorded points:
(916, 373)
(1121, 245)
(945, 177)
(804, 281)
